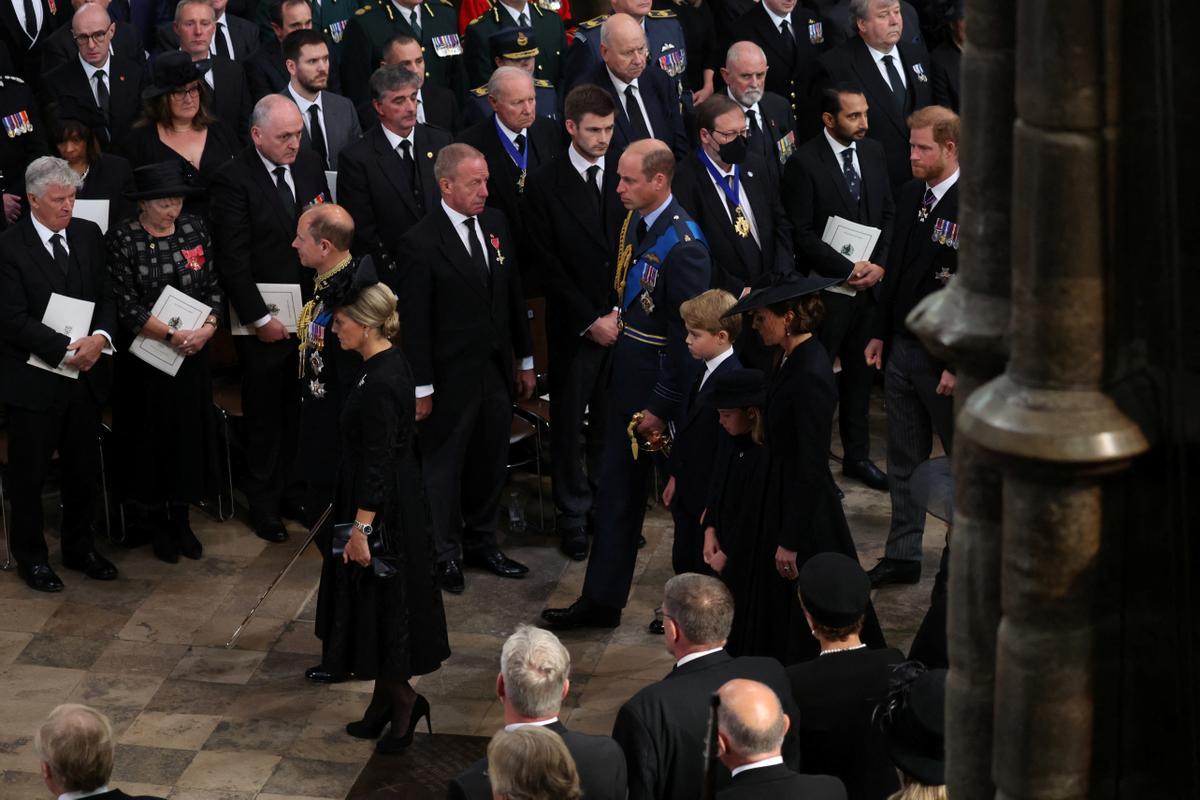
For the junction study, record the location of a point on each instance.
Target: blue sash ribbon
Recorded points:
(731, 194)
(519, 158)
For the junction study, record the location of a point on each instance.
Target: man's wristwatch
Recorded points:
(171, 331)
(366, 527)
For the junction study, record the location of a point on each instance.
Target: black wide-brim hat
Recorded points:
(739, 388)
(173, 70)
(164, 179)
(915, 740)
(777, 288)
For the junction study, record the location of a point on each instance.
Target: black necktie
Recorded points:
(523, 20)
(789, 41)
(220, 43)
(637, 119)
(102, 92)
(415, 23)
(752, 118)
(285, 192)
(728, 200)
(592, 173)
(31, 26)
(60, 253)
(477, 257)
(897, 85)
(519, 141)
(410, 172)
(641, 230)
(853, 183)
(317, 134)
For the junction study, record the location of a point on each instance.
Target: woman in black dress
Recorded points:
(802, 512)
(177, 124)
(385, 628)
(72, 127)
(162, 424)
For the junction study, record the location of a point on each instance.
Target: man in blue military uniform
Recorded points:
(506, 14)
(664, 40)
(433, 24)
(22, 141)
(662, 261)
(513, 47)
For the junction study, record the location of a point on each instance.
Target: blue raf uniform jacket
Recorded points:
(651, 365)
(664, 40)
(478, 108)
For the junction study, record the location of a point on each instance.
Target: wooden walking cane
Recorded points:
(311, 535)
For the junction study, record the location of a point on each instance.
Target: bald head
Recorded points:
(275, 127)
(751, 723)
(745, 72)
(623, 46)
(92, 31)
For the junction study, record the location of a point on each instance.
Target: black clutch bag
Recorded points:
(341, 537)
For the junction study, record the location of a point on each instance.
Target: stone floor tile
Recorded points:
(205, 794)
(158, 765)
(184, 697)
(11, 645)
(314, 778)
(222, 771)
(17, 751)
(260, 634)
(217, 665)
(323, 742)
(22, 785)
(166, 620)
(283, 669)
(243, 735)
(139, 658)
(339, 708)
(86, 621)
(71, 652)
(177, 731)
(26, 613)
(136, 789)
(123, 595)
(297, 637)
(30, 682)
(112, 689)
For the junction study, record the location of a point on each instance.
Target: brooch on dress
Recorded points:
(195, 257)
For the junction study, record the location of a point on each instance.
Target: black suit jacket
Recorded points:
(837, 695)
(243, 33)
(26, 55)
(697, 435)
(253, 233)
(374, 188)
(736, 262)
(776, 137)
(777, 782)
(573, 239)
(28, 276)
(266, 72)
(124, 78)
(454, 322)
(791, 75)
(231, 96)
(117, 794)
(659, 101)
(852, 62)
(814, 189)
(662, 728)
(109, 178)
(946, 62)
(598, 760)
(60, 47)
(440, 104)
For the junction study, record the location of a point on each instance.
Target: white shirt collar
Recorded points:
(620, 85)
(407, 12)
(940, 190)
(766, 762)
(580, 163)
(515, 14)
(777, 20)
(690, 657)
(303, 103)
(90, 71)
(45, 233)
(220, 21)
(78, 795)
(753, 107)
(511, 134)
(271, 166)
(651, 217)
(710, 365)
(837, 146)
(394, 139)
(540, 723)
(455, 217)
(879, 54)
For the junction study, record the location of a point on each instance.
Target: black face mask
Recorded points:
(733, 152)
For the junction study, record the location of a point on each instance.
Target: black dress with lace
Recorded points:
(389, 628)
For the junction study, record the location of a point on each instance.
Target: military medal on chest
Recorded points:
(730, 186)
(741, 225)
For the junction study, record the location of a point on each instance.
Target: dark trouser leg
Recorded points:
(845, 332)
(687, 550)
(576, 385)
(486, 468)
(32, 437)
(79, 465)
(444, 439)
(910, 439)
(271, 408)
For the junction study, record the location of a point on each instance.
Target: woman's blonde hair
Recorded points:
(375, 307)
(532, 763)
(919, 791)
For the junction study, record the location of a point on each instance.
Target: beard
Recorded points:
(314, 85)
(750, 97)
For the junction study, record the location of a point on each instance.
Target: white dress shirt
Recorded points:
(882, 67)
(408, 14)
(939, 191)
(711, 364)
(91, 71)
(581, 164)
(18, 6)
(516, 15)
(690, 657)
(838, 148)
(637, 91)
(766, 762)
(44, 234)
(512, 136)
(421, 109)
(221, 28)
(394, 139)
(304, 105)
(743, 200)
(778, 20)
(81, 795)
(541, 723)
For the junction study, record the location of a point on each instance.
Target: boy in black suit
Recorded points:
(710, 337)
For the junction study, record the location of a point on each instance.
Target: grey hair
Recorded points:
(450, 156)
(749, 741)
(501, 74)
(50, 171)
(535, 666)
(392, 78)
(183, 3)
(76, 742)
(701, 606)
(267, 106)
(861, 9)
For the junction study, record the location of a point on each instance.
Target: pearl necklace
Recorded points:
(843, 649)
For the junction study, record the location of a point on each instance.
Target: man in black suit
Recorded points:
(838, 25)
(750, 730)
(534, 679)
(946, 60)
(436, 105)
(44, 254)
(769, 117)
(647, 102)
(98, 79)
(255, 201)
(330, 120)
(125, 40)
(893, 74)
(918, 388)
(385, 180)
(25, 35)
(267, 71)
(663, 728)
(231, 95)
(467, 336)
(233, 37)
(514, 140)
(841, 172)
(75, 747)
(791, 38)
(573, 217)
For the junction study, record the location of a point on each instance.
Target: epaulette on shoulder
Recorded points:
(480, 91)
(362, 11)
(594, 22)
(664, 13)
(481, 16)
(447, 3)
(683, 230)
(14, 78)
(543, 83)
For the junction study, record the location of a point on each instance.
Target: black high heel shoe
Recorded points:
(396, 744)
(371, 725)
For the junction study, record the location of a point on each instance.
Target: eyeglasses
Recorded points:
(729, 135)
(187, 91)
(96, 38)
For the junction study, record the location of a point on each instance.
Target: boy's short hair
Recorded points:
(706, 312)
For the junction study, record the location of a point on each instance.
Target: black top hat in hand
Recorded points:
(912, 720)
(172, 71)
(164, 179)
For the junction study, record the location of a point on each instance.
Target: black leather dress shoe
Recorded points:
(656, 627)
(449, 576)
(272, 530)
(867, 473)
(574, 543)
(583, 613)
(40, 577)
(93, 565)
(893, 570)
(319, 674)
(496, 563)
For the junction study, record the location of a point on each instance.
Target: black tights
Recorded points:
(392, 699)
